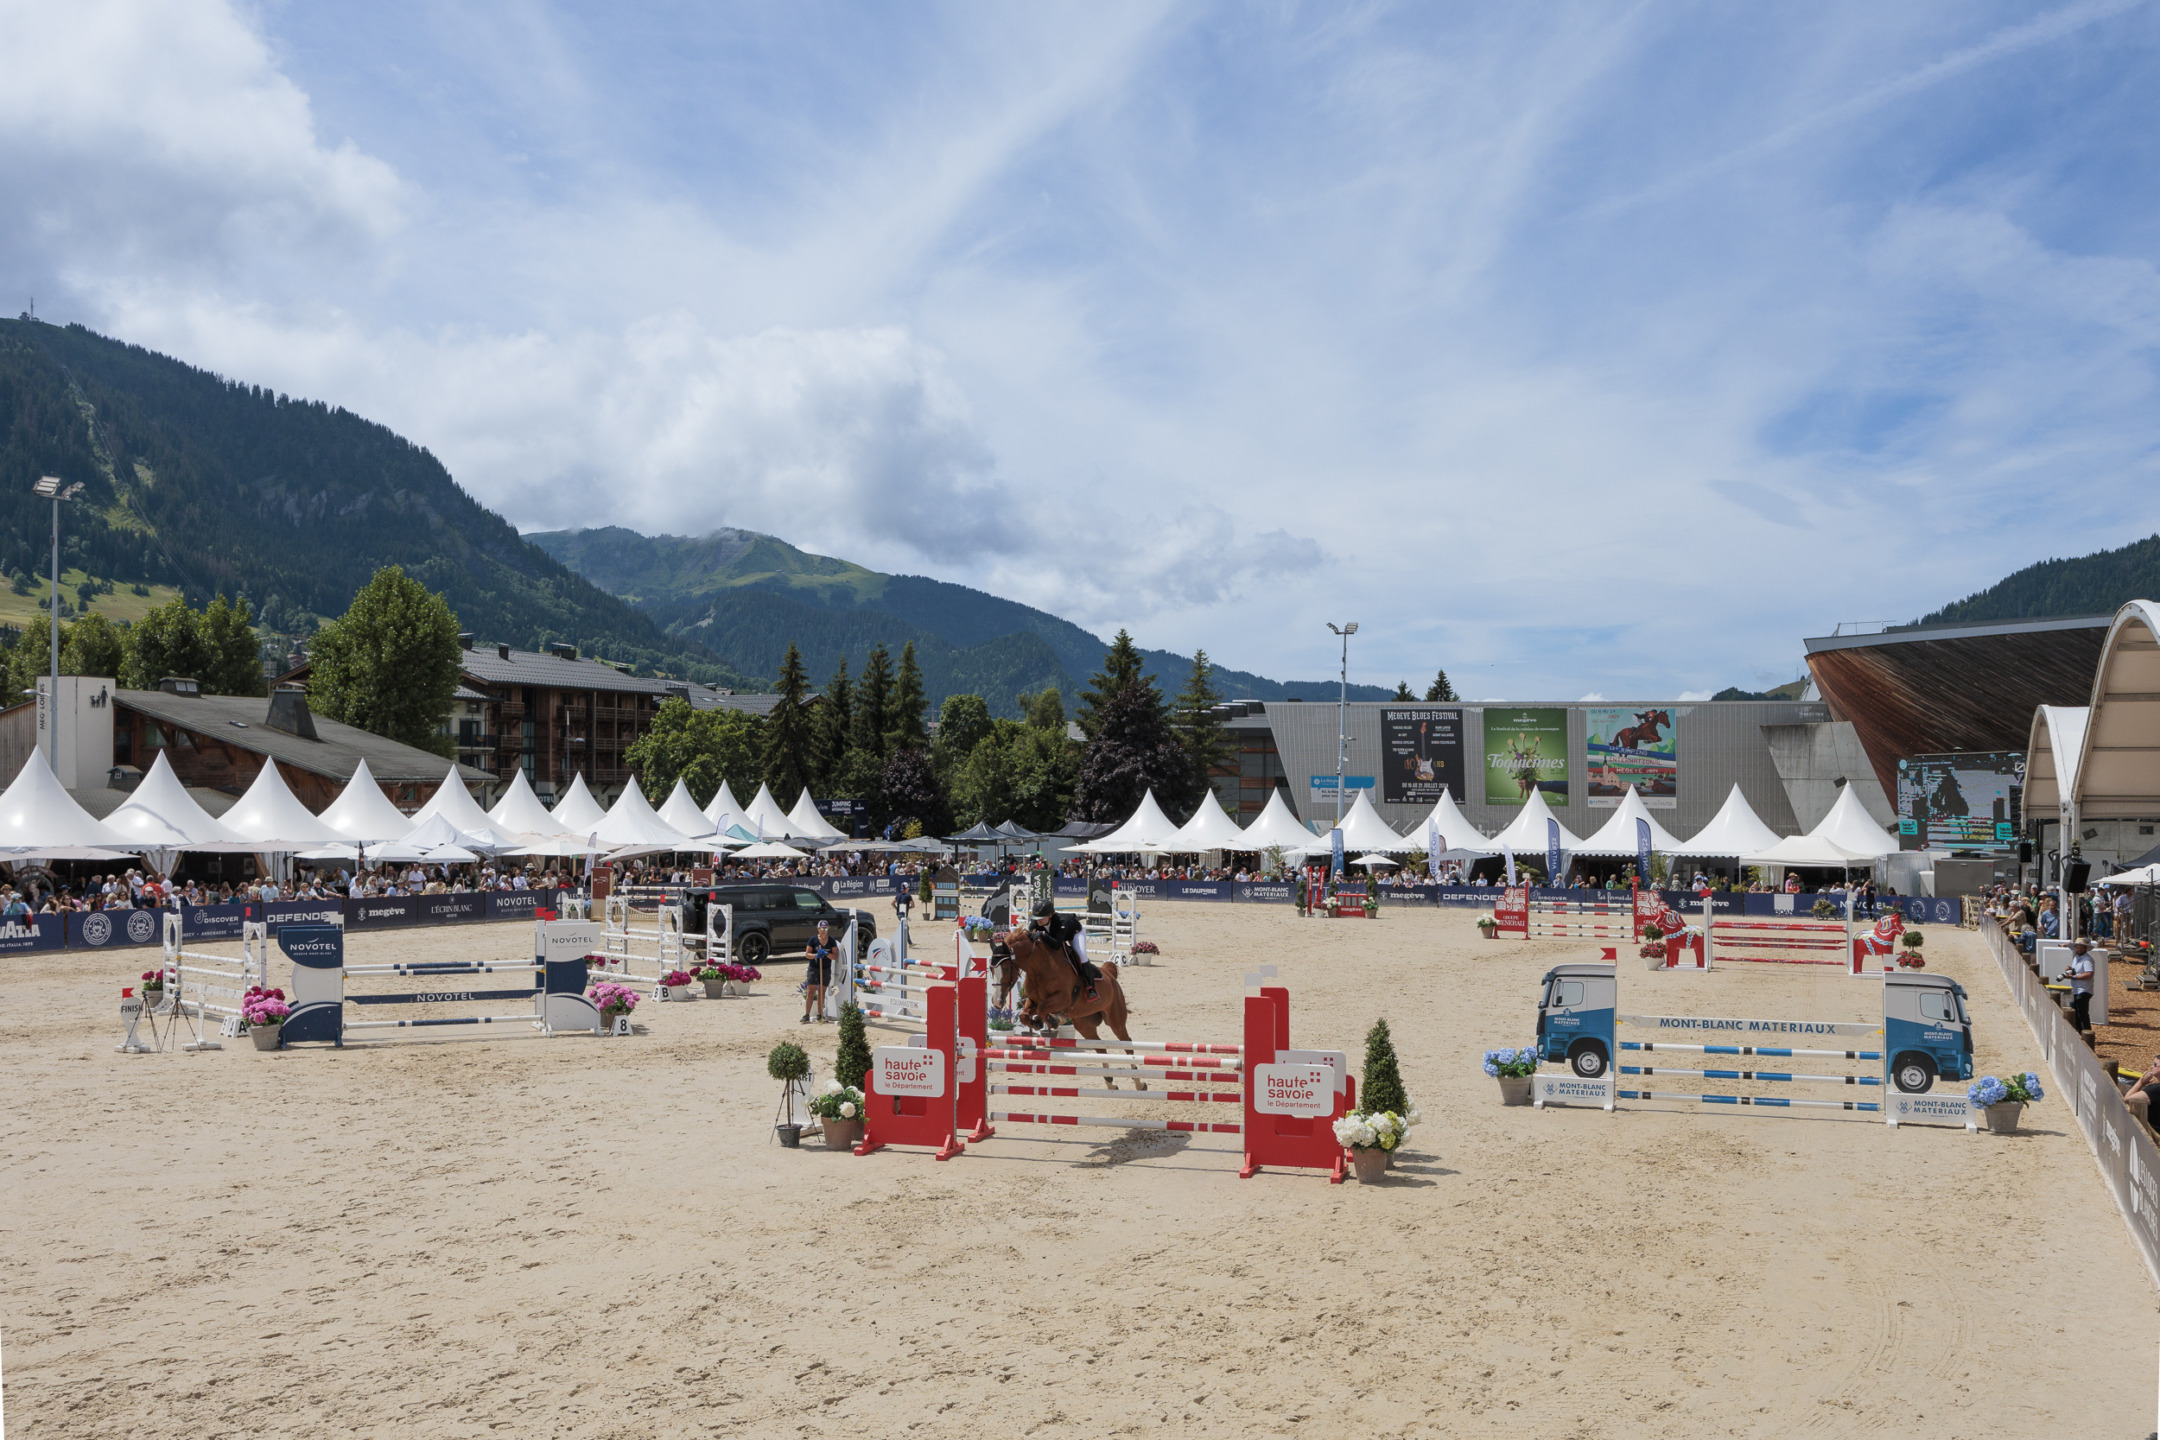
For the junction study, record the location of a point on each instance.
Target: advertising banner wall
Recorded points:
(103, 929)
(1632, 747)
(1525, 750)
(1322, 791)
(1422, 750)
(32, 932)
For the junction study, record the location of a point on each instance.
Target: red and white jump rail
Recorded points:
(936, 1092)
(1611, 915)
(1774, 939)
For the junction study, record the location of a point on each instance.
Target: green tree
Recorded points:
(852, 1062)
(1380, 1087)
(873, 705)
(1132, 752)
(1045, 709)
(1017, 772)
(1121, 669)
(835, 722)
(1200, 729)
(166, 642)
(962, 723)
(1403, 691)
(908, 792)
(701, 748)
(904, 721)
(228, 635)
(390, 663)
(788, 741)
(1440, 689)
(91, 646)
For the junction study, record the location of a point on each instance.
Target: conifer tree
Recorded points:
(852, 1064)
(1440, 689)
(1199, 728)
(1121, 668)
(1380, 1087)
(1133, 751)
(904, 729)
(1403, 691)
(873, 706)
(788, 738)
(835, 722)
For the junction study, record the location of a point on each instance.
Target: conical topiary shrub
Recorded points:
(1380, 1087)
(852, 1065)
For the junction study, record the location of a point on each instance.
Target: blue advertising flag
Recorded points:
(1509, 852)
(1433, 846)
(1335, 847)
(1552, 852)
(1642, 851)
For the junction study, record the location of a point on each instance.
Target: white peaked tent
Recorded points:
(1276, 827)
(39, 820)
(1734, 831)
(1459, 839)
(681, 812)
(805, 821)
(363, 813)
(273, 818)
(577, 813)
(521, 813)
(435, 841)
(454, 803)
(161, 815)
(1813, 850)
(1147, 830)
(1525, 835)
(1366, 833)
(634, 825)
(766, 819)
(1617, 836)
(1210, 828)
(1849, 827)
(725, 810)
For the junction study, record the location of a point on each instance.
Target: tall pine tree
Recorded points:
(1440, 689)
(835, 724)
(1121, 668)
(1133, 751)
(789, 740)
(904, 729)
(873, 706)
(1200, 729)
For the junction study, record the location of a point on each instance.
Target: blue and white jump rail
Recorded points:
(1924, 1036)
(555, 985)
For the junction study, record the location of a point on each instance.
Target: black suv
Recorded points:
(772, 918)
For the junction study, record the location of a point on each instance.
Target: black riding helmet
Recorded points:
(1045, 909)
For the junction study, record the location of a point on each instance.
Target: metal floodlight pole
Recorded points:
(48, 487)
(1342, 718)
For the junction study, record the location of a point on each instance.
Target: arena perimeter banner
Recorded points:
(1424, 750)
(1525, 750)
(1632, 747)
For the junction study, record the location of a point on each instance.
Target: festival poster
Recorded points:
(1525, 750)
(1423, 749)
(1632, 747)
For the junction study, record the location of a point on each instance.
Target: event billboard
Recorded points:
(1423, 750)
(1969, 800)
(1525, 750)
(1632, 747)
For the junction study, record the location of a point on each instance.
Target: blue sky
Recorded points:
(1579, 349)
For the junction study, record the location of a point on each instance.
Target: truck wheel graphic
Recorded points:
(1587, 1059)
(1913, 1074)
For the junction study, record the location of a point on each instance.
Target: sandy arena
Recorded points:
(586, 1237)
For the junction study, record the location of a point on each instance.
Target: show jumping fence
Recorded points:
(204, 988)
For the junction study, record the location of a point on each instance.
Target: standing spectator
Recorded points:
(2081, 986)
(820, 953)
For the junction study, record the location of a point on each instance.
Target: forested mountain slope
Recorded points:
(2088, 585)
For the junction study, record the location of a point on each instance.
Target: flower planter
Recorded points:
(678, 992)
(1490, 932)
(1368, 1164)
(2003, 1119)
(270, 1037)
(842, 1134)
(608, 1019)
(1515, 1089)
(716, 989)
(790, 1136)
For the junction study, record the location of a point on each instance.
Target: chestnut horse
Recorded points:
(1054, 993)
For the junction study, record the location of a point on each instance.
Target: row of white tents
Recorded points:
(40, 820)
(1847, 836)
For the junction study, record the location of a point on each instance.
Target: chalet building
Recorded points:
(555, 715)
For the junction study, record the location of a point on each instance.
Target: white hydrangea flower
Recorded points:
(834, 1087)
(847, 1110)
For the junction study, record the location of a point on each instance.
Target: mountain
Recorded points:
(2096, 584)
(744, 596)
(213, 486)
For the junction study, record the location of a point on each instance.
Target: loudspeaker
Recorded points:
(2025, 852)
(2075, 873)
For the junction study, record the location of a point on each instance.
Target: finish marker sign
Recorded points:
(1294, 1090)
(906, 1070)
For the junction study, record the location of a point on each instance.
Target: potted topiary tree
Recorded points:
(1380, 1090)
(1912, 958)
(789, 1063)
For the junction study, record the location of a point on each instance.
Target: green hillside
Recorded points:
(2096, 584)
(212, 486)
(745, 596)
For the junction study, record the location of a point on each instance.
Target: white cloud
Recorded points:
(1695, 694)
(1590, 699)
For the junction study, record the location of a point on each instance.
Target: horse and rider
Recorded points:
(1063, 986)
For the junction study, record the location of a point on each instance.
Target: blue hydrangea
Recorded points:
(1987, 1090)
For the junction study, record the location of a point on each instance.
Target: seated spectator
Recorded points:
(2138, 1099)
